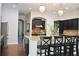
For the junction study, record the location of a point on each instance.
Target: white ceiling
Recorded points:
(24, 7)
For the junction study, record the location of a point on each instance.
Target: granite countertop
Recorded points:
(34, 38)
(26, 36)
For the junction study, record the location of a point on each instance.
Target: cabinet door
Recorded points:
(61, 27)
(65, 25)
(70, 24)
(75, 24)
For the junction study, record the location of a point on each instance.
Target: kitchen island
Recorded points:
(33, 42)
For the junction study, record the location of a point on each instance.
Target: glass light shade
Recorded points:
(42, 9)
(60, 12)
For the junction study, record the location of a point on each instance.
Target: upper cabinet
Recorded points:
(75, 24)
(70, 24)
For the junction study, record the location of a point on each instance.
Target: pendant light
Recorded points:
(42, 9)
(60, 12)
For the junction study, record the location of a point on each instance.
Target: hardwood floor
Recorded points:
(14, 50)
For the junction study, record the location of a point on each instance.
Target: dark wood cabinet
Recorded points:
(75, 24)
(61, 27)
(69, 24)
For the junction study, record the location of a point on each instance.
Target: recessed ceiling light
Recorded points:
(30, 8)
(14, 5)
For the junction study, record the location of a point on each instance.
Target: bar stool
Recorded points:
(78, 44)
(52, 48)
(67, 45)
(44, 47)
(58, 41)
(75, 45)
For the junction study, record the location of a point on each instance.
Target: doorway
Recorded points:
(20, 31)
(4, 32)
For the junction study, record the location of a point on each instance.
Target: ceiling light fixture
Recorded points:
(14, 5)
(42, 9)
(60, 12)
(30, 8)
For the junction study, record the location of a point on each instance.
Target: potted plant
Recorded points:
(54, 28)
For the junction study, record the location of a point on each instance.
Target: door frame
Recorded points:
(22, 28)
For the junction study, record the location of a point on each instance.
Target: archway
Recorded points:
(38, 26)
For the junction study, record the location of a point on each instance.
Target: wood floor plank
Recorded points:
(14, 50)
